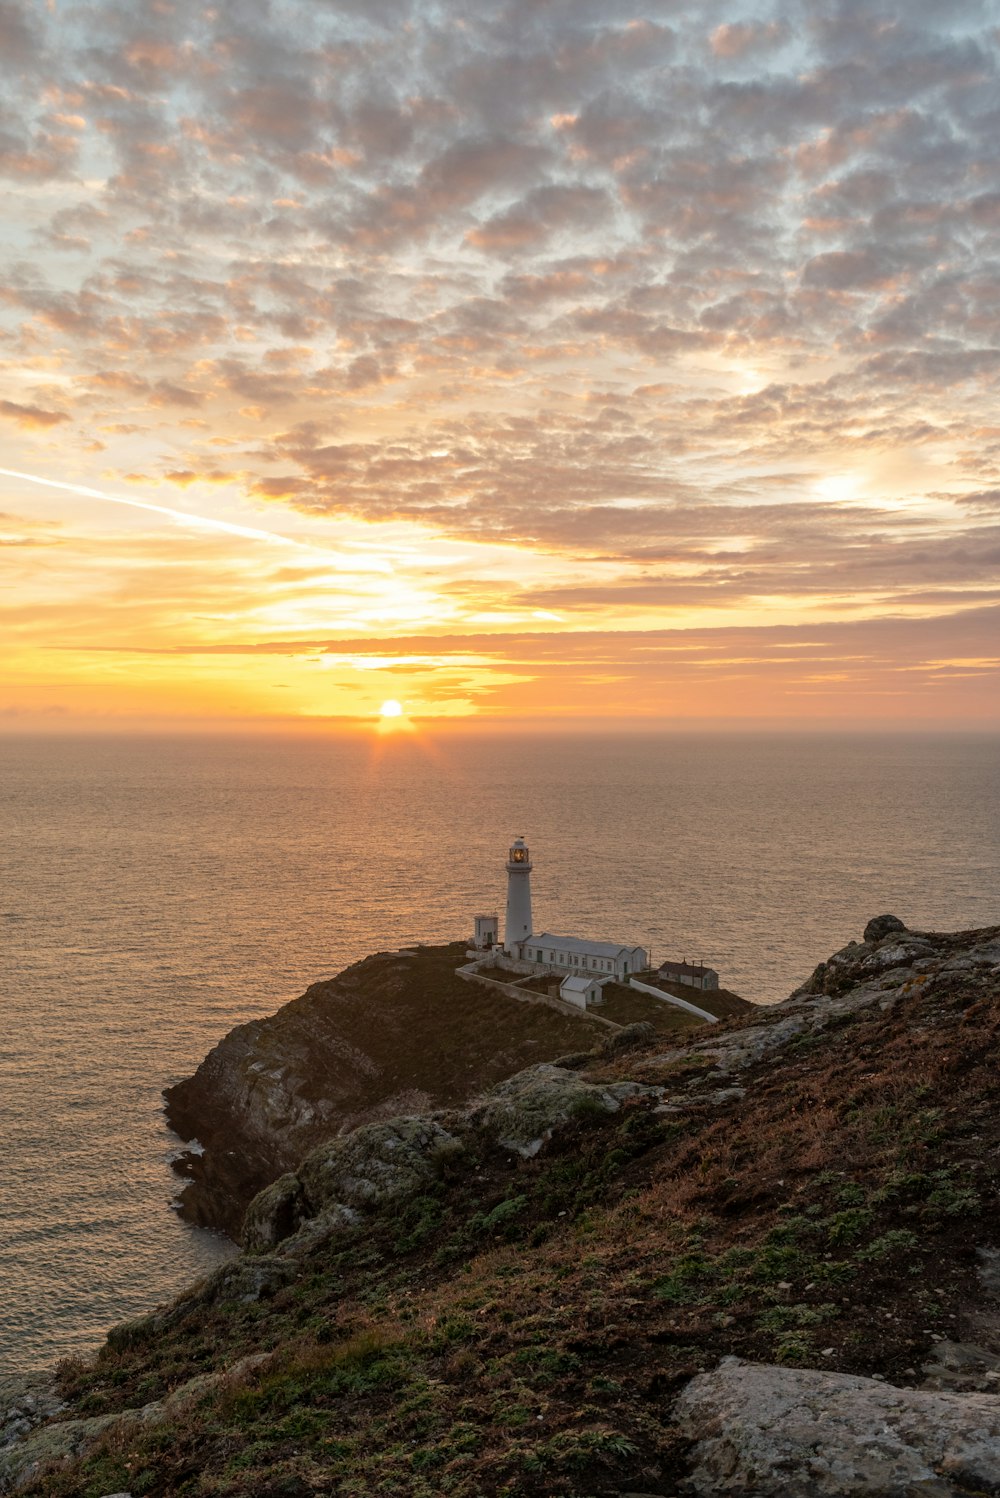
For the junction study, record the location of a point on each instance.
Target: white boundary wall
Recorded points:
(670, 998)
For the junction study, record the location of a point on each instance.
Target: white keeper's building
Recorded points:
(570, 956)
(575, 954)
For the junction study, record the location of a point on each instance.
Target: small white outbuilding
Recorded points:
(578, 990)
(487, 933)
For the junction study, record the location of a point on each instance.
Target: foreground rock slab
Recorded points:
(761, 1432)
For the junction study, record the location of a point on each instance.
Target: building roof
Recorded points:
(579, 944)
(689, 969)
(577, 983)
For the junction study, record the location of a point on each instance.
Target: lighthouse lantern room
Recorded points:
(518, 922)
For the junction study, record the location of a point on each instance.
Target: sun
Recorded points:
(391, 709)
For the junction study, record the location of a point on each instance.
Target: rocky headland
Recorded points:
(756, 1259)
(398, 1033)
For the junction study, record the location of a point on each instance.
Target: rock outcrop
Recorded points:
(59, 1440)
(371, 1169)
(395, 1034)
(523, 1113)
(380, 1166)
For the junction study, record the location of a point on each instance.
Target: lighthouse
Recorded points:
(518, 923)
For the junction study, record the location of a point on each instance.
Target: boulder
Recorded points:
(524, 1112)
(317, 1232)
(882, 925)
(767, 1432)
(273, 1215)
(247, 1280)
(377, 1165)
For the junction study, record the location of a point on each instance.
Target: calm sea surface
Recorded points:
(155, 893)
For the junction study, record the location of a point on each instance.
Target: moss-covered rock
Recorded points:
(57, 1442)
(376, 1165)
(273, 1215)
(524, 1112)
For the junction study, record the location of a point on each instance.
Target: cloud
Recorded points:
(33, 418)
(20, 40)
(738, 39)
(620, 287)
(545, 211)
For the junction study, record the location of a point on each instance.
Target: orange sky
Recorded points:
(563, 363)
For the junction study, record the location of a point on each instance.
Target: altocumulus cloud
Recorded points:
(634, 287)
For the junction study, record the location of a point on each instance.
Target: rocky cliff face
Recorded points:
(762, 1261)
(393, 1034)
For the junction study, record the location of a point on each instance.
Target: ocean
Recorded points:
(154, 893)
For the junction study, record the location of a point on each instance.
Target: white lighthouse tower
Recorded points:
(518, 924)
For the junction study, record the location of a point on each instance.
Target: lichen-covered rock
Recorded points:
(316, 1232)
(896, 947)
(62, 1439)
(376, 1165)
(50, 1443)
(248, 1280)
(743, 1048)
(766, 1432)
(901, 953)
(273, 1215)
(859, 962)
(895, 977)
(525, 1111)
(882, 925)
(26, 1400)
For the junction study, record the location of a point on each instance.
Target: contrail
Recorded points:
(196, 522)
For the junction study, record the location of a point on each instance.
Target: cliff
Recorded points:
(760, 1259)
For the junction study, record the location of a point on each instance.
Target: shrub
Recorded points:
(898, 1240)
(500, 1218)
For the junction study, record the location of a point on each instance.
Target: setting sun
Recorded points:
(391, 709)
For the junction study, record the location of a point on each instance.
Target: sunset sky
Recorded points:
(525, 361)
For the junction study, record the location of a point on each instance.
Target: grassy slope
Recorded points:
(521, 1329)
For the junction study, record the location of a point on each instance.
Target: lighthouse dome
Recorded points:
(519, 852)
